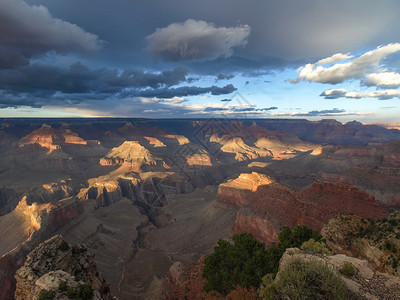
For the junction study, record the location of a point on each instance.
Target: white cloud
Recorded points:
(322, 113)
(338, 57)
(379, 94)
(384, 79)
(356, 68)
(196, 40)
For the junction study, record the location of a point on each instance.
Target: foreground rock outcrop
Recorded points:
(43, 222)
(61, 268)
(377, 241)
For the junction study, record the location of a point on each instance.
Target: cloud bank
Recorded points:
(37, 85)
(29, 31)
(379, 94)
(196, 40)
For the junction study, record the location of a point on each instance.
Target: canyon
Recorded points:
(150, 198)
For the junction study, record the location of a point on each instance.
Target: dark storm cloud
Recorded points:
(183, 91)
(80, 79)
(269, 108)
(224, 77)
(28, 31)
(138, 78)
(226, 100)
(37, 85)
(196, 40)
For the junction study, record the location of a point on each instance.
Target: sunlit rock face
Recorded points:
(128, 152)
(266, 205)
(52, 139)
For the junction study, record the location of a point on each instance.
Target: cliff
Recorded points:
(237, 191)
(55, 263)
(271, 205)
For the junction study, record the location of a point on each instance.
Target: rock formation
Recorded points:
(52, 139)
(268, 205)
(237, 191)
(377, 241)
(128, 152)
(61, 268)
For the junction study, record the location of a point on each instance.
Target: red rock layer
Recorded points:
(238, 191)
(272, 206)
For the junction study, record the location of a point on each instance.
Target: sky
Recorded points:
(310, 59)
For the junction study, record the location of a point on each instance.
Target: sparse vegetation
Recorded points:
(348, 269)
(62, 286)
(267, 289)
(316, 247)
(63, 246)
(308, 280)
(81, 291)
(46, 295)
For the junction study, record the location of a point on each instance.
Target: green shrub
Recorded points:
(63, 246)
(62, 286)
(309, 280)
(290, 238)
(246, 261)
(82, 291)
(242, 263)
(317, 247)
(46, 295)
(348, 269)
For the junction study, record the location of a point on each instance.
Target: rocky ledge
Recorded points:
(62, 270)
